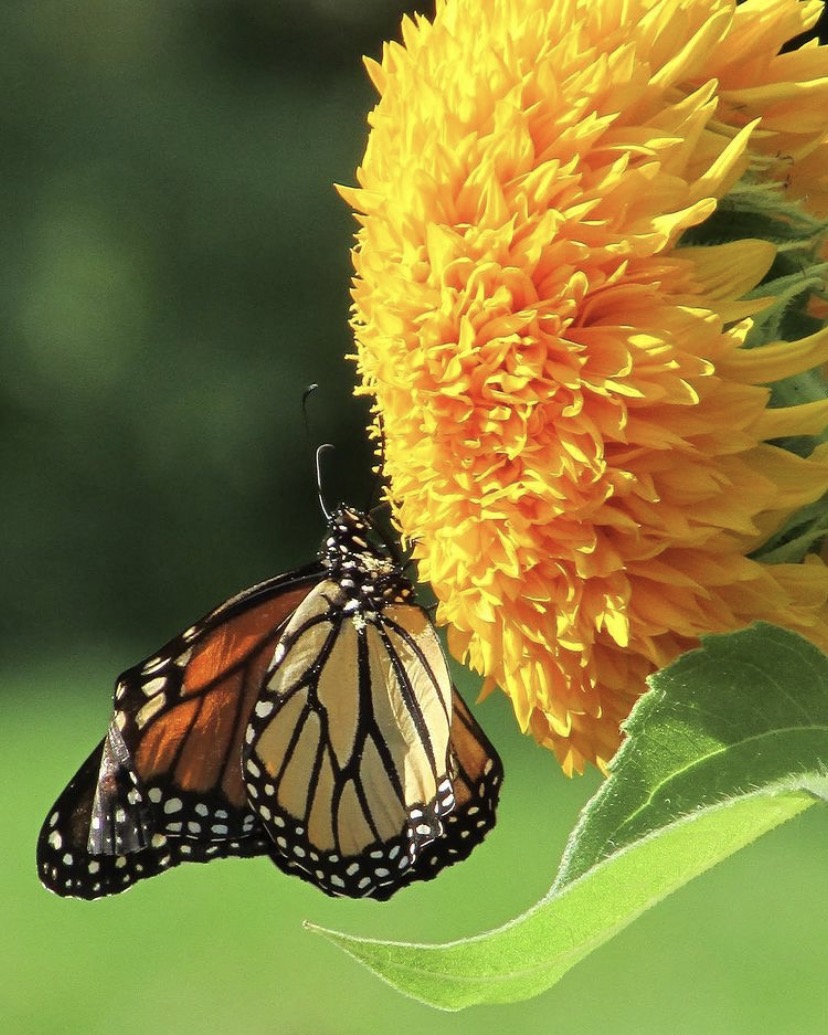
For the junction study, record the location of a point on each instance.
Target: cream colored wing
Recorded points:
(347, 759)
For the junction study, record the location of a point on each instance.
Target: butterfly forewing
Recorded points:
(347, 758)
(198, 702)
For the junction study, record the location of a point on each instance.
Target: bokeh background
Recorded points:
(175, 272)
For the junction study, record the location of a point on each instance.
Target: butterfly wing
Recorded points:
(350, 759)
(477, 776)
(165, 784)
(70, 862)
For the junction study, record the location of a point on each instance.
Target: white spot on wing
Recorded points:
(152, 707)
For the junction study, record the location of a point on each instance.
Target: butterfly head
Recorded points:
(362, 563)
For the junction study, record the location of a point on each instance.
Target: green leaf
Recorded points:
(799, 535)
(731, 741)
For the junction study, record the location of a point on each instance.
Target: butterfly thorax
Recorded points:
(366, 573)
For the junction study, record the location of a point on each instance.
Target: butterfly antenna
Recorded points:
(320, 450)
(308, 392)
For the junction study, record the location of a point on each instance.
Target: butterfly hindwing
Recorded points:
(69, 857)
(477, 775)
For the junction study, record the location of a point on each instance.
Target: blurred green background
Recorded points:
(175, 273)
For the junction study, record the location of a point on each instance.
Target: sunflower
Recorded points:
(587, 308)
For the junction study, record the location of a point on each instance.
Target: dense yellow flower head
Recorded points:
(576, 429)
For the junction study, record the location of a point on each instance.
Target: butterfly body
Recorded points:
(311, 719)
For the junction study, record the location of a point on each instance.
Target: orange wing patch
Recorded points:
(196, 735)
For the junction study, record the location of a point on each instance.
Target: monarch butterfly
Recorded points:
(311, 719)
